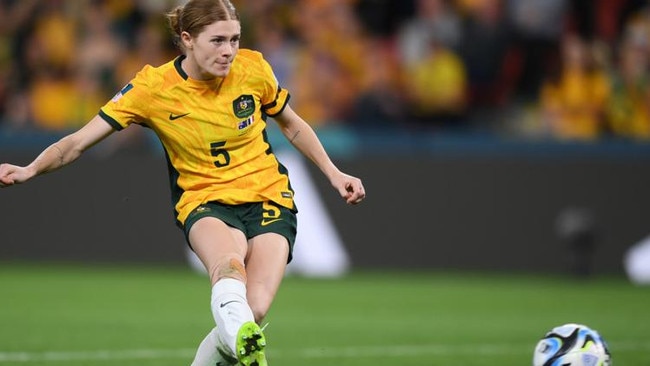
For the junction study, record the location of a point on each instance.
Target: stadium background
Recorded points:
(478, 127)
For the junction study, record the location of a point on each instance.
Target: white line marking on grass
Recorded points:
(435, 349)
(407, 351)
(54, 356)
(305, 353)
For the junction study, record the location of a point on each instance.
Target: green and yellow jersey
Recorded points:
(213, 132)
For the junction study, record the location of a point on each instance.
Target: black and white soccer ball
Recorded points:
(572, 345)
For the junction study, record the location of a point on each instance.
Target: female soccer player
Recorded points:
(231, 196)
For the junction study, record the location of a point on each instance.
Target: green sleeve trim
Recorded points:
(111, 121)
(273, 104)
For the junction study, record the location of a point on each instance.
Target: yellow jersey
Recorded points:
(213, 132)
(579, 100)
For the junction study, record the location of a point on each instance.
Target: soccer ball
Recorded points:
(572, 345)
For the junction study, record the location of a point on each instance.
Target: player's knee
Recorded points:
(228, 267)
(259, 312)
(259, 300)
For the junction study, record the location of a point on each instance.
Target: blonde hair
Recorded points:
(195, 15)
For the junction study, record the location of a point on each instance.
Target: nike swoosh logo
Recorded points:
(223, 304)
(175, 117)
(268, 222)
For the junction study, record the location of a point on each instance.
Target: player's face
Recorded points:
(215, 48)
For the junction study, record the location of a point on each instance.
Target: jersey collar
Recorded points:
(216, 82)
(179, 69)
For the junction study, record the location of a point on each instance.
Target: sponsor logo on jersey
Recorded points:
(173, 117)
(244, 106)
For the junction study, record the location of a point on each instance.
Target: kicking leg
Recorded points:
(222, 250)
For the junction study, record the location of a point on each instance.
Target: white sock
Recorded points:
(207, 353)
(230, 310)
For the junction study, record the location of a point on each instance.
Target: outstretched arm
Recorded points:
(57, 155)
(303, 137)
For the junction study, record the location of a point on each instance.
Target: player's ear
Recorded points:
(186, 40)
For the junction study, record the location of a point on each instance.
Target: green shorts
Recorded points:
(251, 218)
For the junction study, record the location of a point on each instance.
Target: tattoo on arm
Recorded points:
(295, 135)
(60, 155)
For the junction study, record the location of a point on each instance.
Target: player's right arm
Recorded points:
(57, 155)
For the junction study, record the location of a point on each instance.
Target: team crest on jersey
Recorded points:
(243, 106)
(202, 209)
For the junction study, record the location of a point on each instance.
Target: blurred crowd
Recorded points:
(562, 69)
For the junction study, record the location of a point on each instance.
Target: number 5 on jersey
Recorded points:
(220, 153)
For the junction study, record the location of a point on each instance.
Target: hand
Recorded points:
(350, 188)
(12, 174)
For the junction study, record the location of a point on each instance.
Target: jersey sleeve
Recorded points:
(274, 98)
(129, 105)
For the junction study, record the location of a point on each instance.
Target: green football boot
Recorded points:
(250, 345)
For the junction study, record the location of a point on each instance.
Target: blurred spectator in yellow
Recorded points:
(68, 59)
(55, 33)
(328, 64)
(573, 98)
(435, 87)
(628, 109)
(433, 76)
(61, 100)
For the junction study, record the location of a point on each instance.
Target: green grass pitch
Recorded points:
(146, 316)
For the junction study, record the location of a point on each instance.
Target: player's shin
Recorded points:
(230, 310)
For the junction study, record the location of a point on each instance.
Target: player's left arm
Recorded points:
(303, 138)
